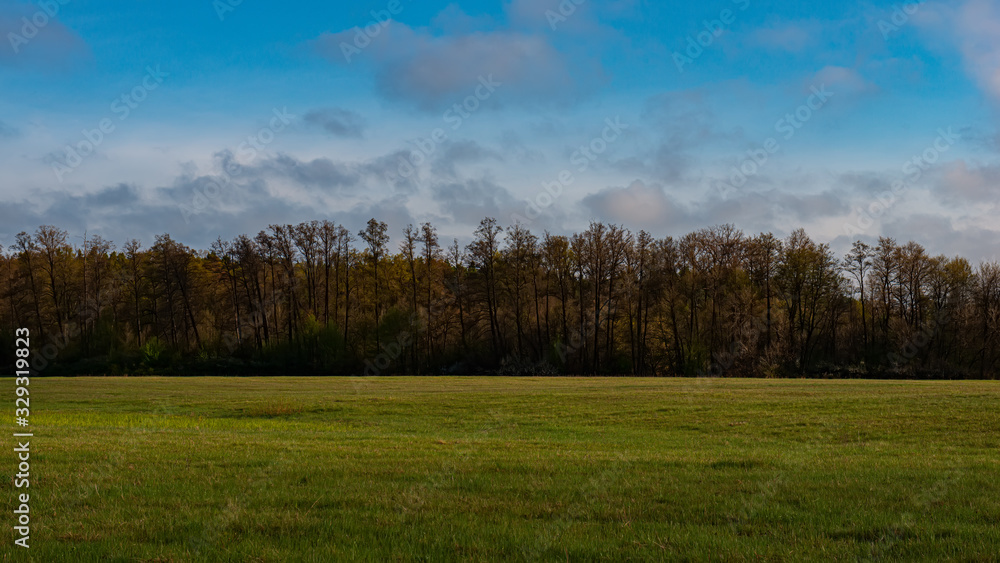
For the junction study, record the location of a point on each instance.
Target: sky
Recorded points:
(207, 119)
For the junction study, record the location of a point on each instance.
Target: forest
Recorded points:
(317, 298)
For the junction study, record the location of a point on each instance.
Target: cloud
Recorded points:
(468, 201)
(574, 17)
(793, 37)
(395, 169)
(981, 138)
(637, 205)
(770, 210)
(320, 173)
(809, 207)
(668, 161)
(681, 123)
(324, 175)
(459, 152)
(436, 72)
(336, 121)
(250, 202)
(958, 182)
(656, 209)
(809, 41)
(31, 36)
(841, 80)
(7, 131)
(394, 210)
(113, 211)
(941, 235)
(122, 194)
(436, 67)
(515, 149)
(979, 26)
(974, 27)
(453, 20)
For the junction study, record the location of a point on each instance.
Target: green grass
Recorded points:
(437, 469)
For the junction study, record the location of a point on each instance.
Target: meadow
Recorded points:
(523, 469)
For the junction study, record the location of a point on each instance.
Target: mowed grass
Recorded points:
(441, 469)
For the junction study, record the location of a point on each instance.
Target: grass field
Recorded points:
(437, 469)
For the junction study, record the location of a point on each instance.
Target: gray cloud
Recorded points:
(940, 236)
(24, 44)
(763, 210)
(576, 18)
(515, 149)
(981, 138)
(454, 21)
(809, 207)
(468, 201)
(652, 207)
(16, 216)
(114, 212)
(122, 194)
(122, 212)
(460, 152)
(793, 37)
(395, 169)
(393, 210)
(436, 72)
(866, 184)
(541, 51)
(678, 123)
(637, 205)
(7, 131)
(959, 183)
(320, 173)
(336, 121)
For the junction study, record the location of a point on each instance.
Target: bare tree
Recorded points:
(483, 252)
(376, 236)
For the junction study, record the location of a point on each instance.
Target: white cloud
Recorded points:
(638, 205)
(842, 80)
(974, 27)
(793, 37)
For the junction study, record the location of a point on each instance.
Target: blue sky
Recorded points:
(221, 117)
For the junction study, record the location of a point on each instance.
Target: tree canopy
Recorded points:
(317, 298)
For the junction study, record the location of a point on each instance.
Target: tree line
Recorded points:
(318, 298)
